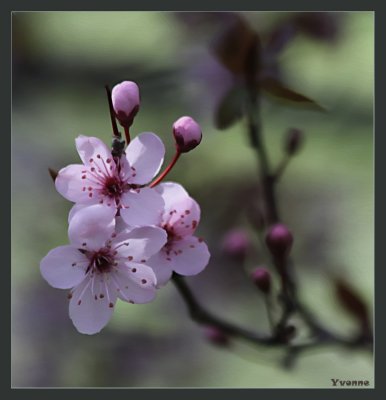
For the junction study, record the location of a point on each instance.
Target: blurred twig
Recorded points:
(245, 59)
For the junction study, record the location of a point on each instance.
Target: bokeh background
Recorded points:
(61, 62)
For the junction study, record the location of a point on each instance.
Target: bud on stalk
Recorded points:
(126, 101)
(262, 279)
(187, 133)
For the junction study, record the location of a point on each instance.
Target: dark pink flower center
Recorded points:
(100, 261)
(113, 187)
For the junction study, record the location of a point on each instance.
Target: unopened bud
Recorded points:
(187, 134)
(293, 141)
(261, 277)
(125, 99)
(216, 336)
(236, 244)
(279, 240)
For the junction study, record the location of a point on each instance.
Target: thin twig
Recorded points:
(202, 316)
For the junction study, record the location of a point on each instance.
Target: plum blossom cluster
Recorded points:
(128, 231)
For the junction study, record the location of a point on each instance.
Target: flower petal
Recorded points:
(182, 212)
(74, 209)
(192, 256)
(145, 155)
(92, 150)
(73, 182)
(92, 226)
(172, 193)
(162, 265)
(136, 282)
(142, 207)
(139, 243)
(120, 225)
(64, 267)
(92, 304)
(184, 218)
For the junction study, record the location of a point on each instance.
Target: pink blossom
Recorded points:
(183, 253)
(101, 265)
(117, 185)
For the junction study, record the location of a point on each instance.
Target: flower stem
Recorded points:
(127, 134)
(202, 316)
(114, 125)
(199, 314)
(167, 170)
(267, 303)
(281, 168)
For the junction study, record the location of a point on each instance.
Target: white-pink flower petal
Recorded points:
(142, 207)
(73, 182)
(93, 151)
(92, 226)
(145, 155)
(64, 267)
(184, 217)
(92, 304)
(162, 265)
(74, 209)
(139, 244)
(172, 193)
(190, 256)
(182, 213)
(137, 282)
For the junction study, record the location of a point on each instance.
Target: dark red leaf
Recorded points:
(53, 173)
(279, 90)
(230, 109)
(279, 38)
(353, 303)
(233, 46)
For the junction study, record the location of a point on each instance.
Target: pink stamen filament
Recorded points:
(120, 245)
(99, 179)
(118, 287)
(92, 284)
(109, 173)
(106, 288)
(84, 290)
(167, 170)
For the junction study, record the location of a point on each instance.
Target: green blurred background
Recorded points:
(61, 62)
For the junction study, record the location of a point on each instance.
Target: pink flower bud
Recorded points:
(279, 240)
(236, 244)
(262, 279)
(187, 134)
(216, 336)
(125, 98)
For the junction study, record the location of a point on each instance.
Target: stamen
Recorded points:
(83, 292)
(120, 245)
(118, 287)
(106, 288)
(92, 284)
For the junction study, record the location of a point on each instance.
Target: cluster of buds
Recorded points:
(128, 232)
(278, 239)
